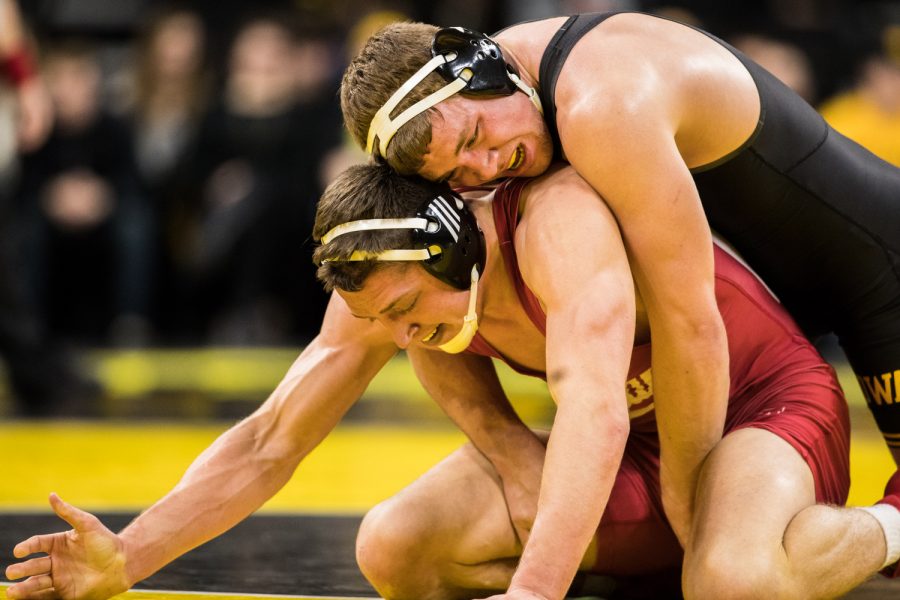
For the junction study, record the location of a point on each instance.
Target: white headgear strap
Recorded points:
(385, 255)
(384, 128)
(464, 337)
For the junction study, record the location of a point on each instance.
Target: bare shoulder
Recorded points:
(525, 43)
(629, 40)
(530, 32)
(623, 64)
(557, 207)
(540, 198)
(637, 72)
(566, 233)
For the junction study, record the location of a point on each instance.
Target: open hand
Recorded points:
(84, 563)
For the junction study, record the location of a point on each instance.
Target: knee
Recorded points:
(726, 575)
(390, 548)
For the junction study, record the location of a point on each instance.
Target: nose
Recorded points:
(479, 166)
(403, 333)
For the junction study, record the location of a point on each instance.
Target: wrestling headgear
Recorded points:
(448, 243)
(470, 61)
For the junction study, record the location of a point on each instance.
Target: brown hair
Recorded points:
(388, 59)
(371, 191)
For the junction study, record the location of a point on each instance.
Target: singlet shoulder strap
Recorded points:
(553, 60)
(506, 220)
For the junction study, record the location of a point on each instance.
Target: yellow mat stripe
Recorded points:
(102, 466)
(109, 466)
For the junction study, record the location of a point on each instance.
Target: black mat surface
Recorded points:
(297, 555)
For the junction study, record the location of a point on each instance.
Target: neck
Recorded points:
(512, 57)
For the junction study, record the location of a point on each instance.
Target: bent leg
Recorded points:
(448, 535)
(758, 532)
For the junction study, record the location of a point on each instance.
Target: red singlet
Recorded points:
(779, 383)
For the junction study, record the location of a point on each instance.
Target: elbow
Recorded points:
(607, 420)
(616, 425)
(271, 443)
(613, 426)
(707, 328)
(698, 324)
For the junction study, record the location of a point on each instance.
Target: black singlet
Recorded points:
(815, 214)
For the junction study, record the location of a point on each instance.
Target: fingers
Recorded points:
(77, 518)
(31, 588)
(36, 543)
(49, 594)
(35, 566)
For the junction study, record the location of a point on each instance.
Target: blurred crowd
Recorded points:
(169, 199)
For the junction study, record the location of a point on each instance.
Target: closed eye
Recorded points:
(408, 308)
(473, 139)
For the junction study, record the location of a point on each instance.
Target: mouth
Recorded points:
(431, 336)
(516, 160)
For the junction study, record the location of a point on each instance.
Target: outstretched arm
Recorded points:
(572, 257)
(244, 467)
(467, 388)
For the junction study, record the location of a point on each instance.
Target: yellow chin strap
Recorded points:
(461, 340)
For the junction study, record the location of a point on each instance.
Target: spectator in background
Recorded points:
(43, 378)
(87, 228)
(869, 113)
(167, 94)
(257, 181)
(348, 153)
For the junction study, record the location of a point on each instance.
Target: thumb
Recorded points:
(77, 518)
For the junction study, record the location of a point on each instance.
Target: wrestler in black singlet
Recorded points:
(815, 214)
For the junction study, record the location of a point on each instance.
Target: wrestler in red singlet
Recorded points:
(779, 382)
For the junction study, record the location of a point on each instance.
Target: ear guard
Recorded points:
(445, 235)
(470, 61)
(478, 53)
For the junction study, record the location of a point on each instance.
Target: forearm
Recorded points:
(690, 386)
(583, 457)
(497, 431)
(250, 462)
(225, 484)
